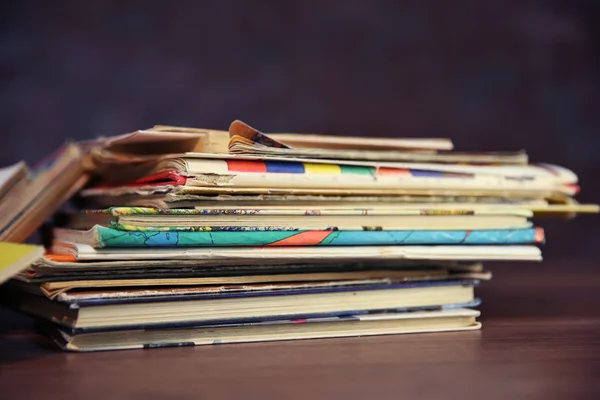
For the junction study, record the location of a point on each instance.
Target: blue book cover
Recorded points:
(99, 237)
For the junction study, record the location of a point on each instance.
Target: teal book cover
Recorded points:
(100, 236)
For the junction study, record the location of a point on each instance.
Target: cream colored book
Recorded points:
(139, 218)
(247, 140)
(227, 174)
(227, 309)
(314, 328)
(164, 139)
(304, 254)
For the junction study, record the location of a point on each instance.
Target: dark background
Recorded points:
(491, 75)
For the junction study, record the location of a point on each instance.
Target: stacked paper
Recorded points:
(190, 236)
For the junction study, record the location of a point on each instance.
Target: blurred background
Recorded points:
(490, 75)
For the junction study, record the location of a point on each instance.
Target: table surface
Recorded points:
(540, 339)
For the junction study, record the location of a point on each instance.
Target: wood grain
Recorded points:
(541, 339)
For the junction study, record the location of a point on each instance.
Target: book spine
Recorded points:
(108, 237)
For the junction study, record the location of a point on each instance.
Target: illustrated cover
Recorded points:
(99, 237)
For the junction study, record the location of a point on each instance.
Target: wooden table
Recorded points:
(541, 339)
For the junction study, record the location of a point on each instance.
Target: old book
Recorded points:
(15, 258)
(247, 140)
(301, 254)
(248, 219)
(444, 320)
(24, 209)
(102, 237)
(12, 177)
(249, 306)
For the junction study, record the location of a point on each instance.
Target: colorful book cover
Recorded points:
(239, 173)
(100, 236)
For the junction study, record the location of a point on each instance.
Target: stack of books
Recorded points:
(188, 237)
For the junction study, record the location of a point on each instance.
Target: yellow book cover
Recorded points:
(15, 258)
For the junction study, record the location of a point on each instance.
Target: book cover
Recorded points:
(15, 258)
(99, 237)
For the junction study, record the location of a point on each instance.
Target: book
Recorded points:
(100, 237)
(179, 166)
(244, 133)
(170, 200)
(188, 236)
(247, 306)
(15, 258)
(247, 140)
(12, 177)
(288, 218)
(147, 146)
(210, 175)
(306, 328)
(116, 295)
(199, 282)
(24, 209)
(192, 163)
(188, 287)
(166, 167)
(300, 254)
(217, 141)
(53, 264)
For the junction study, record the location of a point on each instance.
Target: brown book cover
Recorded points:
(28, 204)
